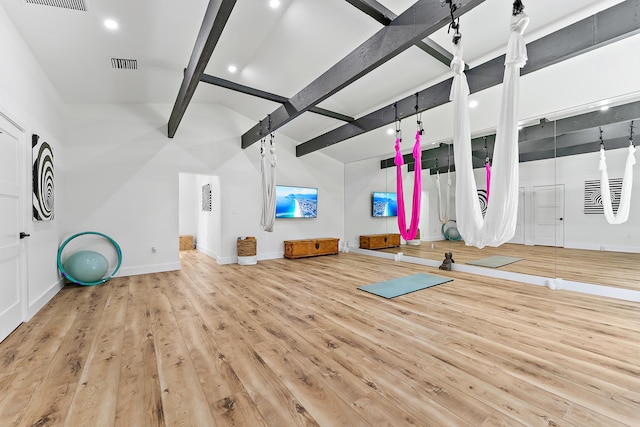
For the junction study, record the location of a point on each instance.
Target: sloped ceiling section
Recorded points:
(596, 31)
(416, 23)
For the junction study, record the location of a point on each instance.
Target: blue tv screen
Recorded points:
(384, 204)
(296, 202)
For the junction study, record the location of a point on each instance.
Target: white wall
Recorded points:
(28, 99)
(209, 224)
(581, 230)
(123, 180)
(592, 231)
(188, 204)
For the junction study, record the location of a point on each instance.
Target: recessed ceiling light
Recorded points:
(390, 131)
(111, 24)
(232, 68)
(473, 103)
(274, 4)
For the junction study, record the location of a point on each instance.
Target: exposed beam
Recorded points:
(332, 114)
(417, 22)
(375, 10)
(384, 16)
(215, 19)
(540, 141)
(227, 84)
(596, 31)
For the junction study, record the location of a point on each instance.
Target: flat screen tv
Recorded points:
(296, 202)
(384, 204)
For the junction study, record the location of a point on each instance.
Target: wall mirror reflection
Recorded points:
(561, 231)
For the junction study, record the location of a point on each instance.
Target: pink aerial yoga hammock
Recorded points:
(487, 167)
(417, 187)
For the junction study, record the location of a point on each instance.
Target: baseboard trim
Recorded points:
(148, 269)
(551, 283)
(44, 298)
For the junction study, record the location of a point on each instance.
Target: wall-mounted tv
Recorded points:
(296, 202)
(384, 204)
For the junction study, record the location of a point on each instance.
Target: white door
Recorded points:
(518, 237)
(548, 215)
(12, 280)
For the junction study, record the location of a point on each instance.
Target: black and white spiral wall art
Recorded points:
(206, 198)
(43, 182)
(593, 196)
(482, 197)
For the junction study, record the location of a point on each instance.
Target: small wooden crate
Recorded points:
(247, 246)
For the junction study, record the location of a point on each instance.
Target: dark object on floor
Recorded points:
(448, 260)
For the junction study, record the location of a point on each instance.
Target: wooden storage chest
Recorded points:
(186, 243)
(379, 241)
(310, 247)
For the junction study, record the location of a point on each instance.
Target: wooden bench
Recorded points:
(310, 247)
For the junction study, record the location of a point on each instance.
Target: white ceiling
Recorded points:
(283, 50)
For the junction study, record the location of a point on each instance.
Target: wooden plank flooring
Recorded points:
(294, 343)
(614, 269)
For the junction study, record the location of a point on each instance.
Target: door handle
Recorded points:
(560, 219)
(23, 235)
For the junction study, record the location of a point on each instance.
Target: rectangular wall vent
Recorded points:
(64, 4)
(124, 64)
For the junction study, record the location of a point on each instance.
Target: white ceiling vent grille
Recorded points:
(124, 64)
(64, 4)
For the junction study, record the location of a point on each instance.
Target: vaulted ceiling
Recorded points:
(280, 51)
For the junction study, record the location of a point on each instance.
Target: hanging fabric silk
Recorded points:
(625, 198)
(443, 208)
(499, 223)
(268, 218)
(417, 189)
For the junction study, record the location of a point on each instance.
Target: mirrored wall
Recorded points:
(561, 228)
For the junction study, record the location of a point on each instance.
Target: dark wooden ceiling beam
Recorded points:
(416, 23)
(215, 19)
(546, 140)
(601, 29)
(384, 16)
(375, 10)
(228, 84)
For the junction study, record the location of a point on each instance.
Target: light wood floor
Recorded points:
(614, 269)
(294, 343)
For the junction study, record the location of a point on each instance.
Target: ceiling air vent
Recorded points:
(64, 4)
(124, 64)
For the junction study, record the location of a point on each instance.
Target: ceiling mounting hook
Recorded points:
(518, 7)
(601, 140)
(419, 115)
(455, 22)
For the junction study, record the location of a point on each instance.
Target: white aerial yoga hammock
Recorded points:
(268, 218)
(627, 182)
(443, 208)
(411, 233)
(499, 223)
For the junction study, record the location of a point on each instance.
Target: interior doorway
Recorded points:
(13, 281)
(548, 215)
(199, 211)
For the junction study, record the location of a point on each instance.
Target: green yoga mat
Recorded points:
(404, 285)
(495, 261)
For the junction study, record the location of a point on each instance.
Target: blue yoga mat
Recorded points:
(404, 285)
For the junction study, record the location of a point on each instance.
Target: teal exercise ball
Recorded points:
(86, 266)
(453, 233)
